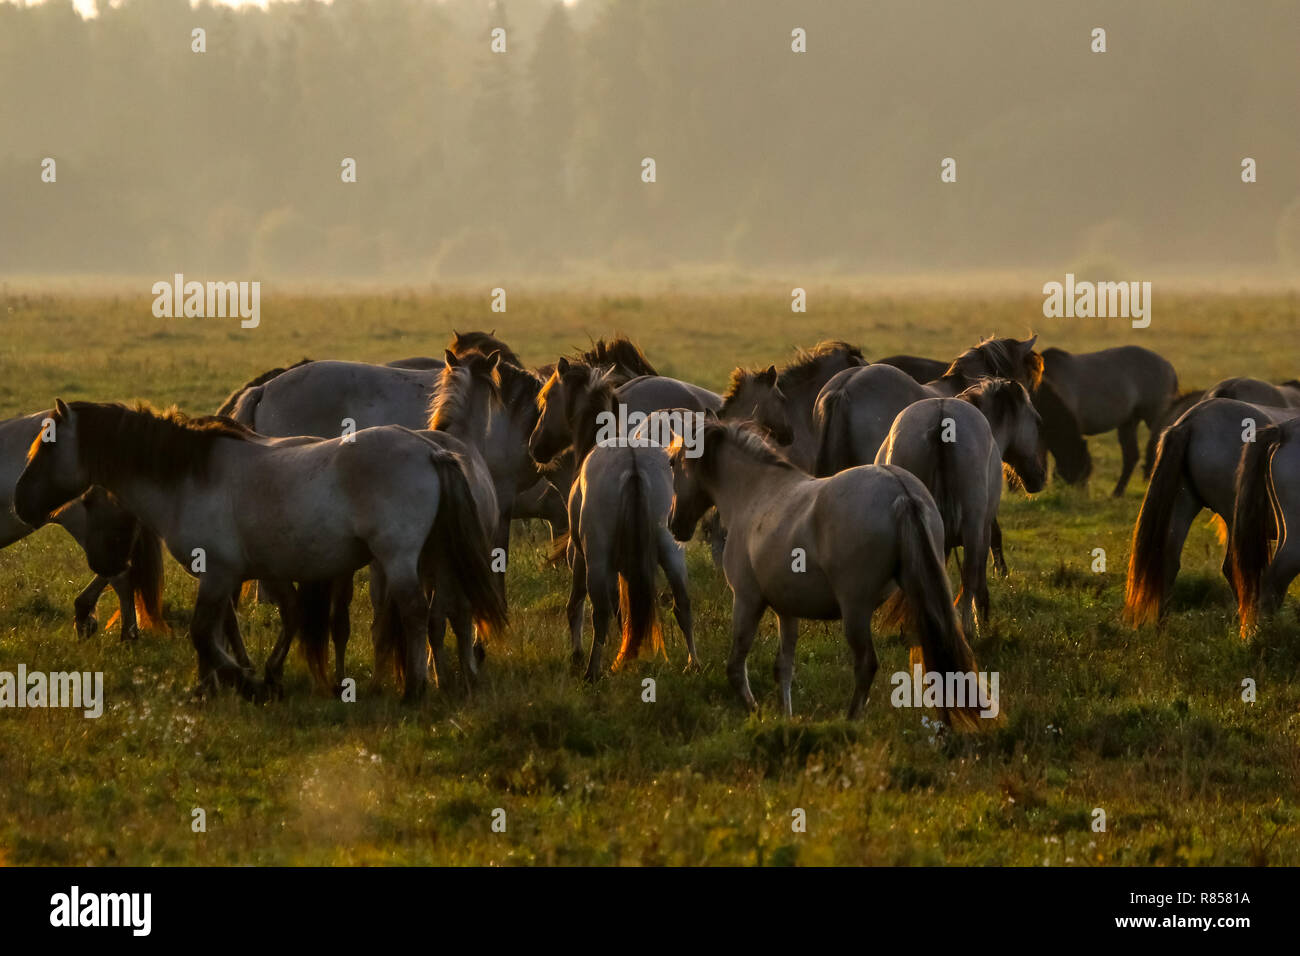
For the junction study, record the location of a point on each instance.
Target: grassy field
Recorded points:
(1149, 726)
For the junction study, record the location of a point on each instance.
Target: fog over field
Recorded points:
(529, 163)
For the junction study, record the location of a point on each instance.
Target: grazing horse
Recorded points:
(120, 553)
(922, 369)
(1256, 392)
(1267, 507)
(860, 532)
(1111, 389)
(232, 505)
(1196, 467)
(957, 447)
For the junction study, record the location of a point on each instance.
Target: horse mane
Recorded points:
(996, 397)
(808, 363)
(228, 405)
(742, 435)
(1001, 356)
(165, 445)
(462, 343)
(449, 404)
(596, 396)
(621, 352)
(518, 384)
(1291, 383)
(740, 377)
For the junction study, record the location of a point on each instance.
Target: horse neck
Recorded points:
(470, 424)
(738, 479)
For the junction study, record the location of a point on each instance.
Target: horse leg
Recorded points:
(995, 539)
(285, 596)
(1128, 447)
(600, 586)
(1185, 510)
(577, 596)
(125, 592)
(411, 606)
(380, 622)
(84, 620)
(463, 625)
(857, 630)
(1278, 575)
(976, 584)
(216, 667)
(783, 670)
(439, 610)
(234, 640)
(746, 612)
(341, 623)
(673, 560)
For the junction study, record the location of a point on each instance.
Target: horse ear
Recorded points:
(1028, 344)
(562, 365)
(710, 415)
(495, 359)
(449, 357)
(493, 331)
(770, 374)
(61, 409)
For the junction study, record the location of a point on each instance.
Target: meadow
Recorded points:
(1148, 725)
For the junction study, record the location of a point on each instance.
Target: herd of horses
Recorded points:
(828, 487)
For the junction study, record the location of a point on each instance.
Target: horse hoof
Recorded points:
(130, 634)
(86, 627)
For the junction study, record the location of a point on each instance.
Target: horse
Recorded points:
(800, 381)
(1196, 467)
(119, 552)
(462, 343)
(957, 447)
(232, 505)
(1256, 392)
(856, 407)
(565, 399)
(859, 532)
(921, 369)
(1267, 507)
(618, 515)
(1114, 389)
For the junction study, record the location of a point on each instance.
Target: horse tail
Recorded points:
(1144, 591)
(145, 573)
(635, 559)
(1252, 523)
(559, 548)
(228, 406)
(834, 448)
(314, 626)
(459, 542)
(244, 409)
(925, 588)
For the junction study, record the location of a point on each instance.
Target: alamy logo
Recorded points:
(658, 429)
(1102, 300)
(953, 690)
(212, 300)
(73, 689)
(133, 910)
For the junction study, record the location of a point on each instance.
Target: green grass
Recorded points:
(1148, 725)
